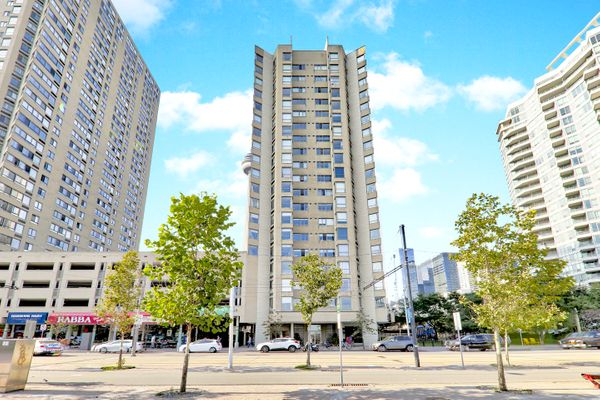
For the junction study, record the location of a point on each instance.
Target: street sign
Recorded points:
(457, 321)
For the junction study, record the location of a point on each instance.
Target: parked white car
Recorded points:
(47, 347)
(203, 346)
(285, 343)
(115, 346)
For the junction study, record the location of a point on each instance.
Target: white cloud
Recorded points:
(184, 166)
(398, 151)
(430, 232)
(231, 186)
(490, 93)
(141, 15)
(377, 15)
(404, 86)
(402, 185)
(231, 113)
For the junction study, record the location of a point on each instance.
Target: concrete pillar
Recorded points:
(93, 334)
(292, 329)
(69, 332)
(6, 329)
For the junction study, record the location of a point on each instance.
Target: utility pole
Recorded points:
(411, 310)
(577, 323)
(232, 297)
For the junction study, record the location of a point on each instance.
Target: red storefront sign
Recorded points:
(81, 318)
(87, 318)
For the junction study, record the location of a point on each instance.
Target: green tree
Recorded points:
(579, 300)
(435, 310)
(499, 248)
(201, 264)
(463, 303)
(320, 282)
(122, 290)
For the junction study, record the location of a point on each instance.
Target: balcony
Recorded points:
(550, 115)
(548, 106)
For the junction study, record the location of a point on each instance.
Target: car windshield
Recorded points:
(389, 338)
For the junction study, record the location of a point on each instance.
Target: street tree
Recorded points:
(435, 310)
(119, 301)
(319, 283)
(200, 263)
(497, 243)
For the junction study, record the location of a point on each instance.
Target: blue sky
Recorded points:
(440, 75)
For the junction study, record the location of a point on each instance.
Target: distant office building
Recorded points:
(77, 123)
(446, 275)
(421, 277)
(549, 141)
(466, 280)
(311, 188)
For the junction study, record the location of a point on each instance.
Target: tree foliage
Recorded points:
(518, 286)
(200, 263)
(319, 283)
(120, 299)
(435, 310)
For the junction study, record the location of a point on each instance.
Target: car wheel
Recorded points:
(483, 349)
(103, 350)
(291, 349)
(409, 347)
(212, 350)
(466, 348)
(264, 349)
(381, 348)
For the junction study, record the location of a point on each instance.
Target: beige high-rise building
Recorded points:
(77, 124)
(550, 144)
(311, 189)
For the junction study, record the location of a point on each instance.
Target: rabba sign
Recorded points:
(75, 319)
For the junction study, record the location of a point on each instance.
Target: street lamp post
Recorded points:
(411, 310)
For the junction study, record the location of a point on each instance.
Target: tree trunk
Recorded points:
(506, 348)
(542, 335)
(500, 366)
(186, 360)
(120, 363)
(308, 346)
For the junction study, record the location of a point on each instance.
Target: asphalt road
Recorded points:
(545, 373)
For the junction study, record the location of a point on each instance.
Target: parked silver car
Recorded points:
(399, 342)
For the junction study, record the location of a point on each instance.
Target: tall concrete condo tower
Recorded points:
(77, 127)
(550, 143)
(312, 189)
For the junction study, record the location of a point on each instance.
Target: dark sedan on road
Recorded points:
(482, 342)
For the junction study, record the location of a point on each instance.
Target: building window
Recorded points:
(378, 267)
(376, 250)
(286, 285)
(340, 202)
(286, 218)
(380, 302)
(286, 202)
(346, 303)
(371, 203)
(342, 233)
(344, 266)
(252, 250)
(373, 218)
(286, 250)
(253, 234)
(339, 172)
(286, 267)
(286, 304)
(286, 234)
(341, 217)
(343, 250)
(286, 187)
(253, 218)
(345, 285)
